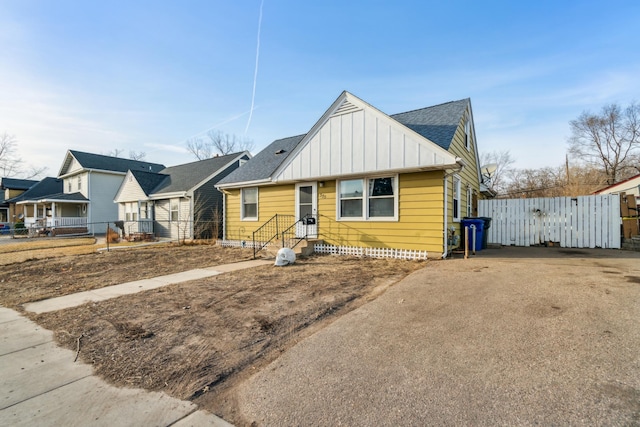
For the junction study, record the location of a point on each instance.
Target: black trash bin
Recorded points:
(487, 225)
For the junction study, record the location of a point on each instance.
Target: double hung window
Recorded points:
(368, 199)
(249, 205)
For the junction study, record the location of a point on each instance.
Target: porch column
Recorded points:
(53, 214)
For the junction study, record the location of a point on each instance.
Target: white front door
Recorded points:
(307, 207)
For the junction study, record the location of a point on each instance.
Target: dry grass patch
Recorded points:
(198, 340)
(38, 279)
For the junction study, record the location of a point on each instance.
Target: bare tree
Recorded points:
(498, 179)
(227, 144)
(137, 155)
(610, 140)
(200, 149)
(217, 143)
(11, 164)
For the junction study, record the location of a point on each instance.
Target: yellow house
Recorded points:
(362, 178)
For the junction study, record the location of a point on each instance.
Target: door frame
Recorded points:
(314, 205)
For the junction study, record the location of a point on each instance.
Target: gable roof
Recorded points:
(148, 180)
(17, 183)
(187, 176)
(46, 187)
(628, 184)
(264, 164)
(100, 162)
(437, 123)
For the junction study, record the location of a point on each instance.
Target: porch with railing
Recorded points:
(50, 222)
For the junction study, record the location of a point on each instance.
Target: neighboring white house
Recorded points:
(179, 201)
(89, 184)
(628, 186)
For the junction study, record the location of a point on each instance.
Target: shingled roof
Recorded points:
(148, 180)
(48, 186)
(109, 163)
(17, 183)
(185, 177)
(437, 123)
(265, 162)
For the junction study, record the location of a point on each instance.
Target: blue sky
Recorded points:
(148, 75)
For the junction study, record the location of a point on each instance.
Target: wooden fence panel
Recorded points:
(578, 222)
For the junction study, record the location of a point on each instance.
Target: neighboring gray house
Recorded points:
(89, 184)
(179, 201)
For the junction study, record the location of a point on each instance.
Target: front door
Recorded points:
(307, 208)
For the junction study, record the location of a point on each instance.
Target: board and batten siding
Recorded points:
(419, 225)
(364, 141)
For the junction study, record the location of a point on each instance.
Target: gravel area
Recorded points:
(513, 336)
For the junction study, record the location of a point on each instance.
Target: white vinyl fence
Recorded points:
(571, 222)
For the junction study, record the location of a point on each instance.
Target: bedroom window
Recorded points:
(249, 202)
(456, 198)
(79, 183)
(378, 202)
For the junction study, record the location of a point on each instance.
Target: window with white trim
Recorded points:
(456, 197)
(174, 207)
(378, 202)
(131, 211)
(249, 204)
(79, 183)
(469, 201)
(69, 186)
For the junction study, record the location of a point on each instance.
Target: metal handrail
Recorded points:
(267, 230)
(305, 221)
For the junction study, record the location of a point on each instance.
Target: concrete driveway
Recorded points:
(513, 336)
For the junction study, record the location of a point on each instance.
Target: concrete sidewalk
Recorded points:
(108, 292)
(40, 384)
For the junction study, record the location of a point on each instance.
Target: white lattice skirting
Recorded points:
(370, 252)
(236, 244)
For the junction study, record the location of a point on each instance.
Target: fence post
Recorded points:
(107, 237)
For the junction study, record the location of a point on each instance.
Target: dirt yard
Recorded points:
(196, 340)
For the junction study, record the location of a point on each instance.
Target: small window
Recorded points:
(456, 198)
(173, 209)
(467, 133)
(79, 183)
(69, 186)
(469, 201)
(249, 203)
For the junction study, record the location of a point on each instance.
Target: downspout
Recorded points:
(224, 216)
(462, 164)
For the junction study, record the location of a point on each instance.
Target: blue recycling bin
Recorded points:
(478, 230)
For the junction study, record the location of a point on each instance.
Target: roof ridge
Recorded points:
(431, 106)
